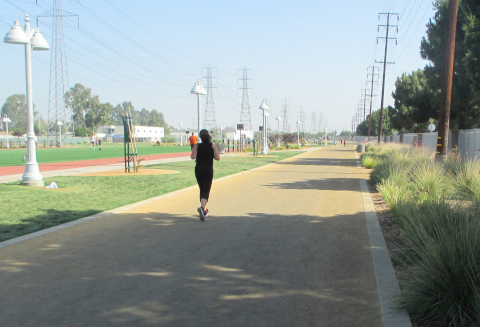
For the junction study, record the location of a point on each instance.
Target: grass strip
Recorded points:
(76, 153)
(26, 210)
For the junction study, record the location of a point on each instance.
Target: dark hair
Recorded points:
(205, 136)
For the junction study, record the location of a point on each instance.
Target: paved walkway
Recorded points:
(285, 245)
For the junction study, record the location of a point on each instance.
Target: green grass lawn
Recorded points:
(49, 155)
(26, 210)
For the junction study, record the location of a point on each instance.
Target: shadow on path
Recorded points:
(157, 269)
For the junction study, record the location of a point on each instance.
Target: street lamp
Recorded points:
(298, 133)
(32, 40)
(221, 133)
(278, 131)
(181, 136)
(325, 136)
(264, 109)
(7, 120)
(198, 89)
(60, 124)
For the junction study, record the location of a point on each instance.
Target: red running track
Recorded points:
(12, 170)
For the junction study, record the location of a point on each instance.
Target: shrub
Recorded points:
(467, 179)
(280, 148)
(369, 161)
(445, 244)
(430, 181)
(169, 139)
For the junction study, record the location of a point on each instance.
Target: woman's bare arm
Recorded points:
(193, 155)
(216, 154)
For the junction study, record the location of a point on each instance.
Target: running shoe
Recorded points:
(206, 213)
(201, 213)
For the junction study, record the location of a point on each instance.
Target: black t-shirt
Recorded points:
(204, 154)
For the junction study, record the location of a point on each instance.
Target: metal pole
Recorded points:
(446, 92)
(278, 136)
(371, 98)
(383, 84)
(198, 97)
(8, 145)
(298, 135)
(32, 176)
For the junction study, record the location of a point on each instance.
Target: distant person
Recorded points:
(193, 140)
(92, 142)
(341, 141)
(99, 141)
(204, 153)
(344, 142)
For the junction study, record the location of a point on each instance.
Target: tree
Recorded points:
(465, 98)
(362, 128)
(143, 117)
(472, 41)
(15, 107)
(82, 96)
(116, 115)
(98, 113)
(346, 134)
(415, 102)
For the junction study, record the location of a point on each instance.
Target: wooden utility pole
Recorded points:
(371, 96)
(446, 93)
(384, 62)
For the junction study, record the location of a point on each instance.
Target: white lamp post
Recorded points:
(221, 133)
(298, 132)
(325, 136)
(198, 89)
(278, 131)
(264, 109)
(60, 124)
(32, 40)
(181, 136)
(7, 120)
(266, 126)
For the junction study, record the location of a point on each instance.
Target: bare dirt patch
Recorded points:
(141, 172)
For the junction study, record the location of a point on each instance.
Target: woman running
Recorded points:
(204, 153)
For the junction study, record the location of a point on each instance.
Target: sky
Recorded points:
(314, 54)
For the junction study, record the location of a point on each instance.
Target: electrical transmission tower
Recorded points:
(59, 108)
(320, 123)
(301, 118)
(245, 116)
(285, 107)
(371, 94)
(364, 101)
(313, 126)
(384, 62)
(210, 122)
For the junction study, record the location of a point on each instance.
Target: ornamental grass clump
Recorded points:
(444, 245)
(430, 181)
(369, 160)
(467, 179)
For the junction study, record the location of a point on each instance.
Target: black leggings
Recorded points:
(204, 175)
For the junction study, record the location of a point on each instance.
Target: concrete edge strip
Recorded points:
(121, 209)
(387, 284)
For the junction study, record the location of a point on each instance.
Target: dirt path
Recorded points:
(285, 245)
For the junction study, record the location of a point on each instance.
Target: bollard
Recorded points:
(361, 148)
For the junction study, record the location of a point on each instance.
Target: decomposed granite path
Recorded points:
(284, 245)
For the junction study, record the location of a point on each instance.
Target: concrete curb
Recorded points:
(121, 209)
(387, 283)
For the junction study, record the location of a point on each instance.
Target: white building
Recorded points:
(142, 133)
(236, 135)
